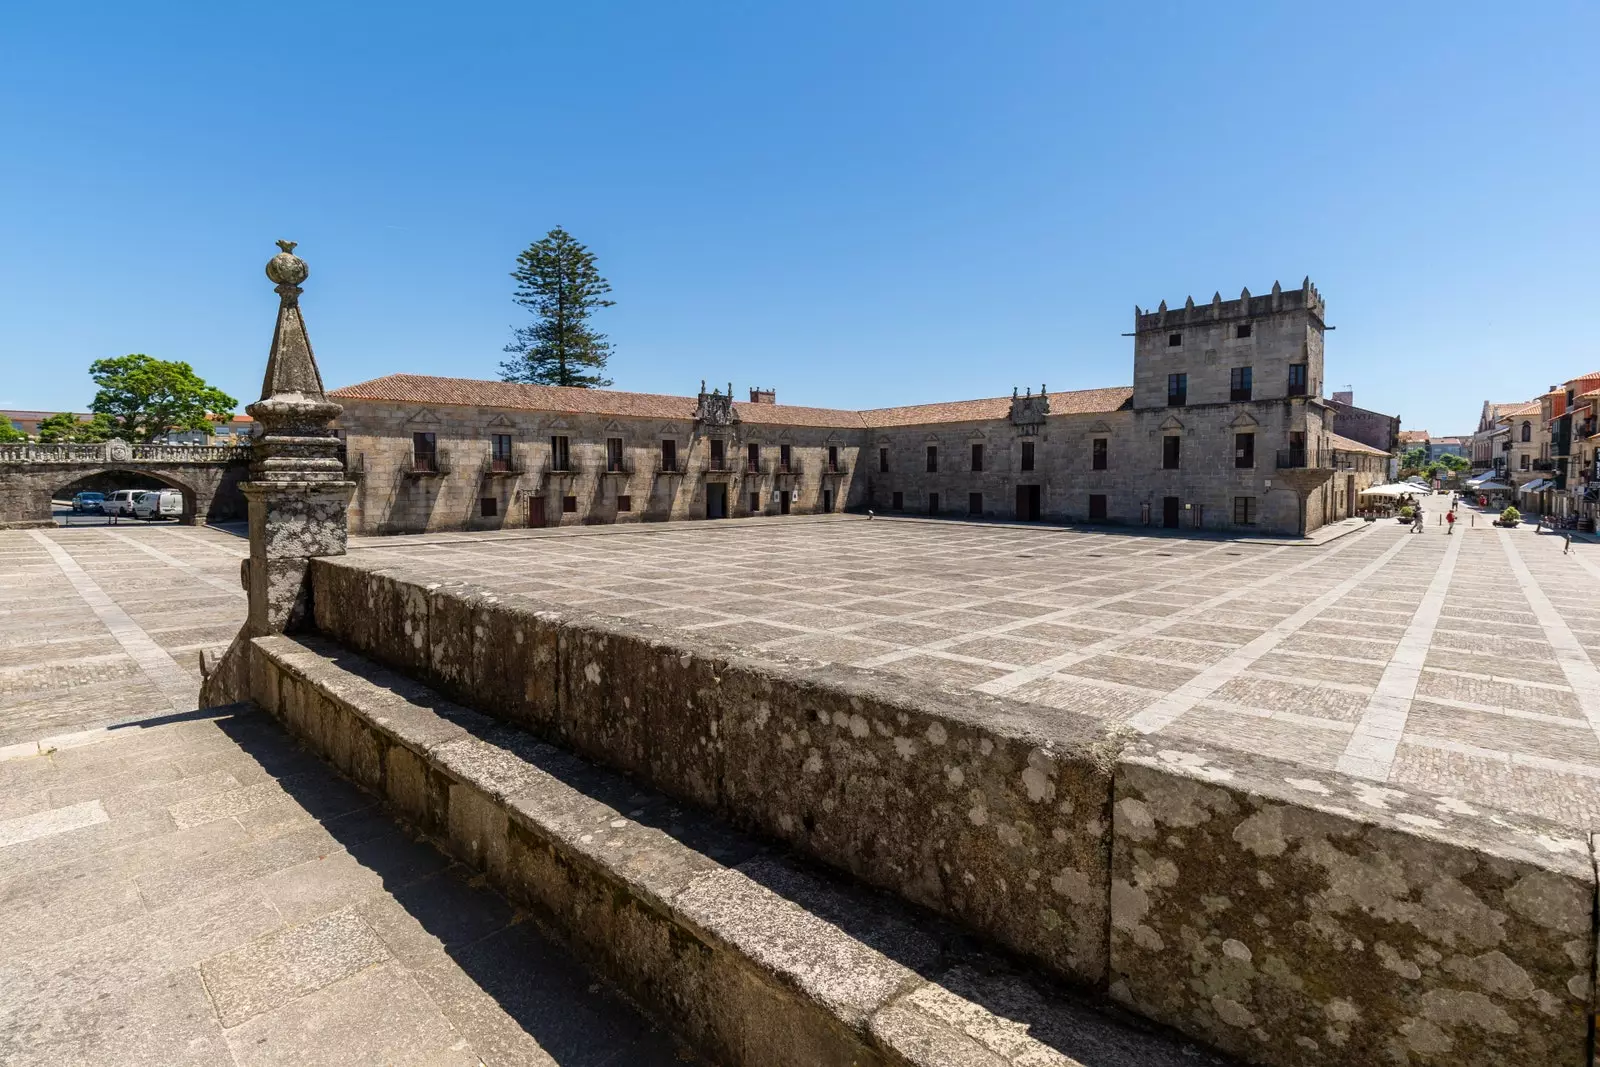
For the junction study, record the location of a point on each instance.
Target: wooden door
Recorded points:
(536, 511)
(1169, 512)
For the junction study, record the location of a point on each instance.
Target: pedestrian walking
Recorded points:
(1450, 521)
(1416, 521)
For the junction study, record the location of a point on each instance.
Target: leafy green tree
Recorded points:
(1414, 459)
(67, 427)
(558, 283)
(1453, 462)
(144, 397)
(9, 432)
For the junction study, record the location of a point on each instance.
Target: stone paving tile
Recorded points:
(1319, 702)
(226, 850)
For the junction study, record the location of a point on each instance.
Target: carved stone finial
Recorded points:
(1041, 389)
(1276, 288)
(1163, 306)
(1013, 392)
(1188, 304)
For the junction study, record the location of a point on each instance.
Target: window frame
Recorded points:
(1178, 389)
(1171, 452)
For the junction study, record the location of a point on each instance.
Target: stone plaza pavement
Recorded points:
(189, 888)
(1461, 666)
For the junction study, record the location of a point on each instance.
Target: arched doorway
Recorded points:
(109, 480)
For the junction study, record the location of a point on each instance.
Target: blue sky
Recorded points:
(859, 204)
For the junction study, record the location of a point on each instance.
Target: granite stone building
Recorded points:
(1224, 428)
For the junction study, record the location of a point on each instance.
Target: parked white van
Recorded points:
(165, 504)
(121, 502)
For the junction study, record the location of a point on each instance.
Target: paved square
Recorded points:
(1459, 665)
(183, 888)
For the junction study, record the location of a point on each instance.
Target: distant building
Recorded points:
(1223, 428)
(28, 421)
(237, 430)
(1371, 428)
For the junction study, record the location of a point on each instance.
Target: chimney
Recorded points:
(1347, 398)
(763, 396)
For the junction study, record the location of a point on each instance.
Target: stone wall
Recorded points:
(1285, 916)
(390, 498)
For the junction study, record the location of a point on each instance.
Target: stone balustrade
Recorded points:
(122, 452)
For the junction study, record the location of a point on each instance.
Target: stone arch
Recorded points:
(167, 478)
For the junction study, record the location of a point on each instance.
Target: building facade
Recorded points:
(1224, 428)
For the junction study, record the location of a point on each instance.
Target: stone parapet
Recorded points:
(1287, 917)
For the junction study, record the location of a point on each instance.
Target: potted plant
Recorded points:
(1509, 517)
(1406, 514)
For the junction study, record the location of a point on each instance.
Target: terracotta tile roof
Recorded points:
(1076, 402)
(1413, 437)
(1346, 444)
(1524, 409)
(470, 392)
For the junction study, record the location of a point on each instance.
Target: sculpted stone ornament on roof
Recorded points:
(1028, 411)
(715, 409)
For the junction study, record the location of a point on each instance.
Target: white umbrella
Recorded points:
(1392, 489)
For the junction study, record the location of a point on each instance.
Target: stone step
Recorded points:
(754, 957)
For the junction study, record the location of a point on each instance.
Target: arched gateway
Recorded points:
(206, 475)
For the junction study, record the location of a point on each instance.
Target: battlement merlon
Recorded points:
(1278, 300)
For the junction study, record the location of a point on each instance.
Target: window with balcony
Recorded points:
(1177, 390)
(1244, 450)
(669, 455)
(500, 452)
(752, 462)
(614, 454)
(1527, 431)
(786, 458)
(833, 459)
(719, 454)
(1169, 452)
(1297, 449)
(560, 454)
(1240, 383)
(1098, 453)
(1525, 463)
(933, 459)
(1297, 379)
(424, 453)
(1027, 455)
(977, 457)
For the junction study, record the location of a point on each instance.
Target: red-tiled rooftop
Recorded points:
(472, 392)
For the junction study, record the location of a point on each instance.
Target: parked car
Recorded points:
(86, 502)
(162, 504)
(121, 502)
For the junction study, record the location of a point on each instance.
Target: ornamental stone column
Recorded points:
(297, 491)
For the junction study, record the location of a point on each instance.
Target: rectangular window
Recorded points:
(974, 503)
(1297, 379)
(500, 456)
(1177, 390)
(1524, 461)
(569, 503)
(977, 457)
(786, 458)
(1244, 511)
(833, 458)
(1097, 507)
(669, 455)
(883, 460)
(1099, 452)
(1240, 383)
(424, 453)
(1174, 340)
(1244, 330)
(1027, 455)
(933, 459)
(719, 455)
(753, 460)
(755, 503)
(613, 453)
(897, 502)
(1244, 450)
(560, 457)
(624, 503)
(489, 507)
(933, 503)
(1169, 452)
(1297, 449)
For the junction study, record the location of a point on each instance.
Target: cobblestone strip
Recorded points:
(231, 588)
(1181, 700)
(1371, 749)
(1575, 663)
(238, 548)
(1003, 685)
(176, 684)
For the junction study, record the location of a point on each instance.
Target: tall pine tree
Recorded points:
(558, 283)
